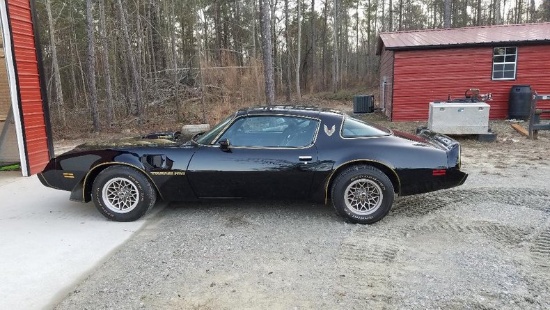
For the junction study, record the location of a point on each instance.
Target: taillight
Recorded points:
(439, 172)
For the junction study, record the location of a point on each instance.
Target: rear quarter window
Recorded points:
(354, 128)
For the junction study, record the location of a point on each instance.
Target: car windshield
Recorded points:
(354, 128)
(208, 137)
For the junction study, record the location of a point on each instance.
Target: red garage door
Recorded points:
(33, 112)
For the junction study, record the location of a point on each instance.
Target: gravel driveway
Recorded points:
(484, 245)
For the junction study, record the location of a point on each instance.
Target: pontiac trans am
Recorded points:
(273, 152)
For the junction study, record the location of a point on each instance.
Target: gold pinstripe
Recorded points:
(41, 176)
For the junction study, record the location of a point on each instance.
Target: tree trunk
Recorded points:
(160, 55)
(497, 14)
(175, 65)
(478, 18)
(203, 89)
(383, 15)
(313, 49)
(255, 49)
(390, 9)
(519, 11)
(447, 15)
(532, 11)
(267, 50)
(274, 53)
(136, 104)
(90, 60)
(324, 36)
(357, 39)
(55, 66)
(254, 32)
(400, 26)
(298, 50)
(106, 68)
(74, 60)
(287, 53)
(335, 27)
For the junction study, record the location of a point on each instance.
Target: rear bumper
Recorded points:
(427, 183)
(44, 181)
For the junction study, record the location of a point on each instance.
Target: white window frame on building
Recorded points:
(505, 61)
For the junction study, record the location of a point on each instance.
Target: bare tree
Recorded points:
(298, 49)
(447, 14)
(90, 60)
(106, 67)
(532, 10)
(313, 48)
(390, 11)
(287, 39)
(55, 66)
(136, 103)
(335, 26)
(478, 11)
(497, 12)
(265, 26)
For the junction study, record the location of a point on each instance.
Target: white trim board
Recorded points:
(13, 87)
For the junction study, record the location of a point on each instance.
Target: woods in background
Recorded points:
(120, 62)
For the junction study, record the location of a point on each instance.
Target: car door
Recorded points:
(261, 157)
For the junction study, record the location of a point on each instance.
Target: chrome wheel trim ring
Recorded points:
(363, 196)
(120, 195)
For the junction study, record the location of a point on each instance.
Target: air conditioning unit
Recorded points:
(363, 104)
(462, 118)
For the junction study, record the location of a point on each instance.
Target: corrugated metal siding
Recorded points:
(26, 63)
(386, 71)
(422, 76)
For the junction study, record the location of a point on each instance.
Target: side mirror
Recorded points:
(224, 145)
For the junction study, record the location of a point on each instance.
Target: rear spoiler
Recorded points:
(439, 139)
(444, 142)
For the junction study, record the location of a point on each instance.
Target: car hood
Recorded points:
(160, 139)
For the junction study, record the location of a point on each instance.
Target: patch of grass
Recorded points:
(344, 94)
(12, 167)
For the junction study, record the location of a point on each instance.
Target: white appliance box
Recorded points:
(462, 118)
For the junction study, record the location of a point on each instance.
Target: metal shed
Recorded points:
(418, 67)
(25, 131)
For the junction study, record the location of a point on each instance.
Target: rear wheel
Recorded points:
(362, 194)
(122, 193)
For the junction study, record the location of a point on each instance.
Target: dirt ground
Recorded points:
(483, 245)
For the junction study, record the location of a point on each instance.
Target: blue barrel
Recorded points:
(519, 102)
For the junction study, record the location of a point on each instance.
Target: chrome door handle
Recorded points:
(305, 158)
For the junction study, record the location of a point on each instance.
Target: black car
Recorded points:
(272, 152)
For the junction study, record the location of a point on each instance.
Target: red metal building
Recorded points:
(26, 111)
(418, 67)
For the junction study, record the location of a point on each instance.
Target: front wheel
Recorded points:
(362, 194)
(122, 193)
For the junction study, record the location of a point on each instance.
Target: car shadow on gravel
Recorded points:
(236, 211)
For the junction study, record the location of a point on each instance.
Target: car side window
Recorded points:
(271, 131)
(354, 128)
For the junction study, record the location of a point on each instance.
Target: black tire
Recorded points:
(362, 194)
(123, 194)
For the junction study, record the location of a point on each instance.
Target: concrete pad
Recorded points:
(8, 177)
(48, 243)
